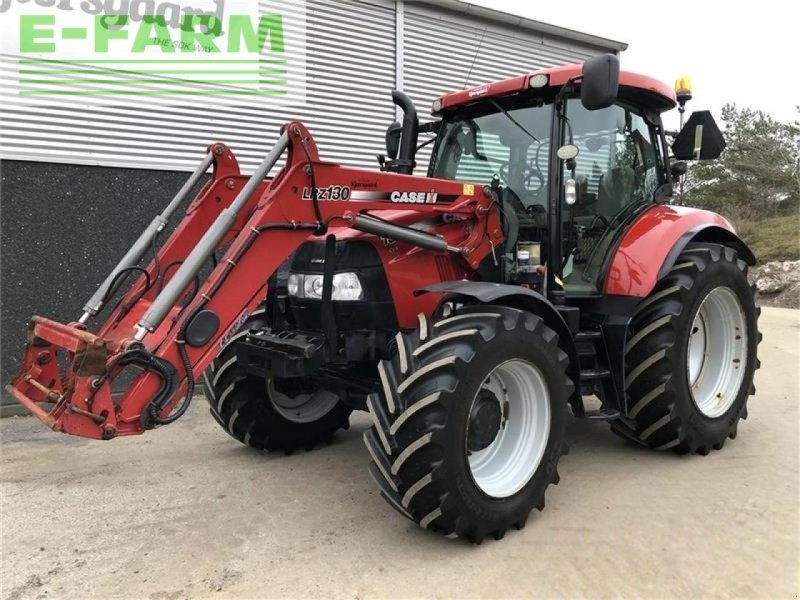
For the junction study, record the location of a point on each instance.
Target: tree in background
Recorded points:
(758, 175)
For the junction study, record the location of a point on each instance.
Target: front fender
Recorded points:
(522, 298)
(650, 247)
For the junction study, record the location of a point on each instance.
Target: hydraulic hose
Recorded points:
(139, 356)
(321, 226)
(161, 400)
(123, 273)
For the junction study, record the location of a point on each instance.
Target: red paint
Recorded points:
(476, 230)
(558, 77)
(646, 244)
(409, 268)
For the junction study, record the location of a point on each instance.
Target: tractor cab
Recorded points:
(572, 155)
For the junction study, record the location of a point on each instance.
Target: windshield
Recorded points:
(512, 146)
(506, 144)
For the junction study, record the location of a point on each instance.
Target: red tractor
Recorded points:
(469, 311)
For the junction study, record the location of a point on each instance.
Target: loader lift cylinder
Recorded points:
(406, 235)
(140, 246)
(171, 293)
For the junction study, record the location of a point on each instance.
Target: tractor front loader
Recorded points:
(469, 311)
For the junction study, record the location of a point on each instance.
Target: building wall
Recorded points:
(349, 65)
(79, 185)
(64, 227)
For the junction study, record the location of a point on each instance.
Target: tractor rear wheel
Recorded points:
(691, 354)
(469, 425)
(276, 414)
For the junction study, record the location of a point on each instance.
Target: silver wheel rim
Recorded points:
(716, 356)
(302, 408)
(504, 467)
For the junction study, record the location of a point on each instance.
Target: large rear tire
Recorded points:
(469, 425)
(691, 354)
(277, 415)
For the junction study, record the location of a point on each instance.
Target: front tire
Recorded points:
(691, 354)
(277, 415)
(469, 426)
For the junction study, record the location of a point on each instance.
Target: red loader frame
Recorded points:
(258, 223)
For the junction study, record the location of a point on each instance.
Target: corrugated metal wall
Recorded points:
(444, 52)
(351, 71)
(350, 75)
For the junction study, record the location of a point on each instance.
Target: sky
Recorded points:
(748, 56)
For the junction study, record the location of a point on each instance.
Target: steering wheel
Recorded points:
(535, 170)
(528, 174)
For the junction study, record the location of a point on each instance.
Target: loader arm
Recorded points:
(169, 331)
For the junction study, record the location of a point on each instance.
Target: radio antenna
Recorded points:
(475, 58)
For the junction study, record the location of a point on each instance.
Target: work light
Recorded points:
(539, 81)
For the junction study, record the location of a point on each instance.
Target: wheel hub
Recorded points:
(485, 419)
(716, 354)
(508, 429)
(300, 403)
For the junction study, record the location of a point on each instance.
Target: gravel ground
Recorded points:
(186, 512)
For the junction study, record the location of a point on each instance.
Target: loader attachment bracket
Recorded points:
(74, 400)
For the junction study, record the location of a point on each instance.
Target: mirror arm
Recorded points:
(568, 87)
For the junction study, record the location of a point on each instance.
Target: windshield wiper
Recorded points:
(512, 119)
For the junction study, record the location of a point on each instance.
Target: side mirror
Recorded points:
(600, 83)
(393, 133)
(700, 138)
(678, 170)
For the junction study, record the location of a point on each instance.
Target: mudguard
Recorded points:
(652, 244)
(515, 296)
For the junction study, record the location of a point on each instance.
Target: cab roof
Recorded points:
(662, 96)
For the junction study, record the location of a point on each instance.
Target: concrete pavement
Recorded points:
(186, 512)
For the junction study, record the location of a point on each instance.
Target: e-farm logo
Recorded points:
(147, 48)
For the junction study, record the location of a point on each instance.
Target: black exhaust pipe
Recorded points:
(406, 162)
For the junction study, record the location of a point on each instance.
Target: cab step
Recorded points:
(602, 414)
(588, 335)
(594, 374)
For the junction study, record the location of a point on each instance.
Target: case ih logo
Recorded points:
(414, 197)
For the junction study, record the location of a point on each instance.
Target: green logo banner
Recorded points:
(120, 50)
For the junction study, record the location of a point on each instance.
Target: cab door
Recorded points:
(618, 171)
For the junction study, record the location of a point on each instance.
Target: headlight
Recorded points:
(312, 286)
(346, 287)
(293, 285)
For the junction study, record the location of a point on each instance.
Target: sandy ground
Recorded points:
(185, 512)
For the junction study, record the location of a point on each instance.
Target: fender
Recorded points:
(526, 299)
(652, 244)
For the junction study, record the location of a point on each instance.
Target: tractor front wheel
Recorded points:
(691, 354)
(469, 425)
(271, 414)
